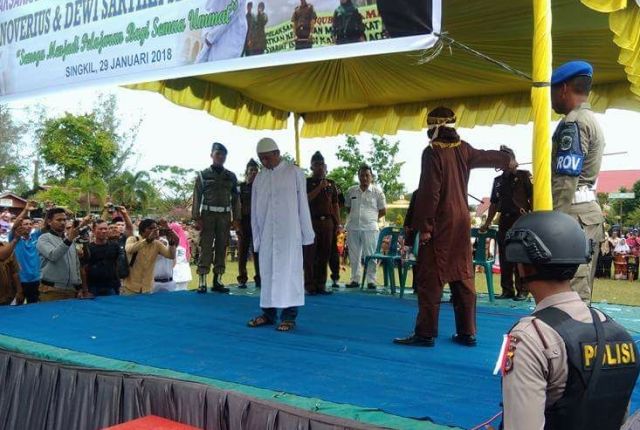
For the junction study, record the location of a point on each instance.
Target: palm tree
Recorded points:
(133, 190)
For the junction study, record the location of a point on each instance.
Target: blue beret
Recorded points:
(217, 146)
(571, 70)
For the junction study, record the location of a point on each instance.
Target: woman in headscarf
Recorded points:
(182, 270)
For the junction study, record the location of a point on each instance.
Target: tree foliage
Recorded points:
(133, 190)
(12, 164)
(74, 144)
(175, 185)
(382, 159)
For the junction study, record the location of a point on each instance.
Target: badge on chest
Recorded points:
(569, 156)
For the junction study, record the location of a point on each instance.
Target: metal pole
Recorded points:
(296, 125)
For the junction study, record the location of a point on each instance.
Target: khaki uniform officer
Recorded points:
(303, 21)
(511, 195)
(215, 203)
(567, 366)
(578, 144)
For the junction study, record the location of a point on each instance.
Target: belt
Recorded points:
(218, 209)
(584, 195)
(163, 280)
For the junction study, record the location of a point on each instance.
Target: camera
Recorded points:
(83, 234)
(110, 207)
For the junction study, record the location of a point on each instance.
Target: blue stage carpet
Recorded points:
(341, 350)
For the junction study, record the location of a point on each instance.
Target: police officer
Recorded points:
(245, 235)
(303, 20)
(215, 203)
(511, 195)
(578, 144)
(567, 366)
(325, 217)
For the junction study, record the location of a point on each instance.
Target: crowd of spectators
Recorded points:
(619, 255)
(61, 256)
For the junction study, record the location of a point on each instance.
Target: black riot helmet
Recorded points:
(551, 241)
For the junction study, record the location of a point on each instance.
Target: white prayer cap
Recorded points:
(267, 144)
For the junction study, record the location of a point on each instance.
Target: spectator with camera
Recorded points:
(142, 251)
(100, 262)
(26, 253)
(118, 217)
(59, 258)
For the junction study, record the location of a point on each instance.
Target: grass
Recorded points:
(605, 290)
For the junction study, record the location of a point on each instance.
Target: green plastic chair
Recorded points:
(389, 260)
(408, 264)
(480, 255)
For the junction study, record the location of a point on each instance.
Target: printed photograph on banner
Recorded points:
(271, 26)
(47, 44)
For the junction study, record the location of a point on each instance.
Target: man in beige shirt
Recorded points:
(142, 252)
(560, 368)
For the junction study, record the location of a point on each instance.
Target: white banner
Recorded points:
(47, 45)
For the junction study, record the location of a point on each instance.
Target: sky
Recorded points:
(173, 135)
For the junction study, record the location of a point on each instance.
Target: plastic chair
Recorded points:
(388, 260)
(408, 264)
(480, 257)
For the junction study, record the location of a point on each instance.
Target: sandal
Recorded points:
(286, 326)
(202, 289)
(259, 321)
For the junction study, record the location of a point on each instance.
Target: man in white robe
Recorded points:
(281, 225)
(226, 40)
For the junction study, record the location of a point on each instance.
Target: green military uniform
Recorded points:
(215, 201)
(578, 144)
(348, 26)
(302, 20)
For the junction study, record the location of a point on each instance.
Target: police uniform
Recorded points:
(512, 196)
(325, 223)
(246, 235)
(578, 145)
(567, 366)
(538, 379)
(301, 19)
(216, 202)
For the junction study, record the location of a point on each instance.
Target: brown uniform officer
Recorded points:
(303, 21)
(323, 204)
(512, 196)
(245, 233)
(566, 367)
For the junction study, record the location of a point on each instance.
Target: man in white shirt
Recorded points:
(366, 205)
(281, 225)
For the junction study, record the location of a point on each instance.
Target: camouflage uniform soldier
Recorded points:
(215, 202)
(578, 144)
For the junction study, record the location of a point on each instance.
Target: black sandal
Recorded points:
(286, 325)
(259, 321)
(202, 289)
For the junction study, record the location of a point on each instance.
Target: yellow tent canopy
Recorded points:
(387, 93)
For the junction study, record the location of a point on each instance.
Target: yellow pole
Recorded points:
(541, 103)
(296, 124)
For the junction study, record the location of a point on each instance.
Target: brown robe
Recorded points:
(441, 209)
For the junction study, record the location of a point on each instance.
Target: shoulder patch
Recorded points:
(569, 156)
(506, 358)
